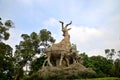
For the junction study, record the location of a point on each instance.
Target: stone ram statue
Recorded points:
(59, 50)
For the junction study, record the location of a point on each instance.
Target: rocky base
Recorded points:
(71, 72)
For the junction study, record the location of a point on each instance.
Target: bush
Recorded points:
(87, 75)
(34, 76)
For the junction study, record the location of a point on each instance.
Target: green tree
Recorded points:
(101, 65)
(25, 52)
(4, 28)
(86, 60)
(117, 67)
(110, 53)
(6, 56)
(118, 54)
(36, 64)
(46, 38)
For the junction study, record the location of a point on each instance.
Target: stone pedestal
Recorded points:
(71, 72)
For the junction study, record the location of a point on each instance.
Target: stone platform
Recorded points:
(72, 71)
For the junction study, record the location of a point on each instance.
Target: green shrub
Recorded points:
(87, 75)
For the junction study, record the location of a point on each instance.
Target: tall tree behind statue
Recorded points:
(27, 50)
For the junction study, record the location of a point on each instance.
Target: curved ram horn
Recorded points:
(68, 24)
(62, 24)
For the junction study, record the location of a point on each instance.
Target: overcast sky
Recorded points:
(95, 27)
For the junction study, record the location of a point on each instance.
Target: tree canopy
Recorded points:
(27, 49)
(6, 54)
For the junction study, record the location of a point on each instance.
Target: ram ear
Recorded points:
(69, 29)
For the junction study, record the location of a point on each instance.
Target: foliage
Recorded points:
(6, 62)
(110, 53)
(6, 56)
(45, 38)
(118, 54)
(36, 64)
(117, 67)
(86, 60)
(100, 64)
(4, 27)
(34, 76)
(27, 50)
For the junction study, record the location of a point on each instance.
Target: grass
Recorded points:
(106, 78)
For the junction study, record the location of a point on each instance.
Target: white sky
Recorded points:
(95, 27)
